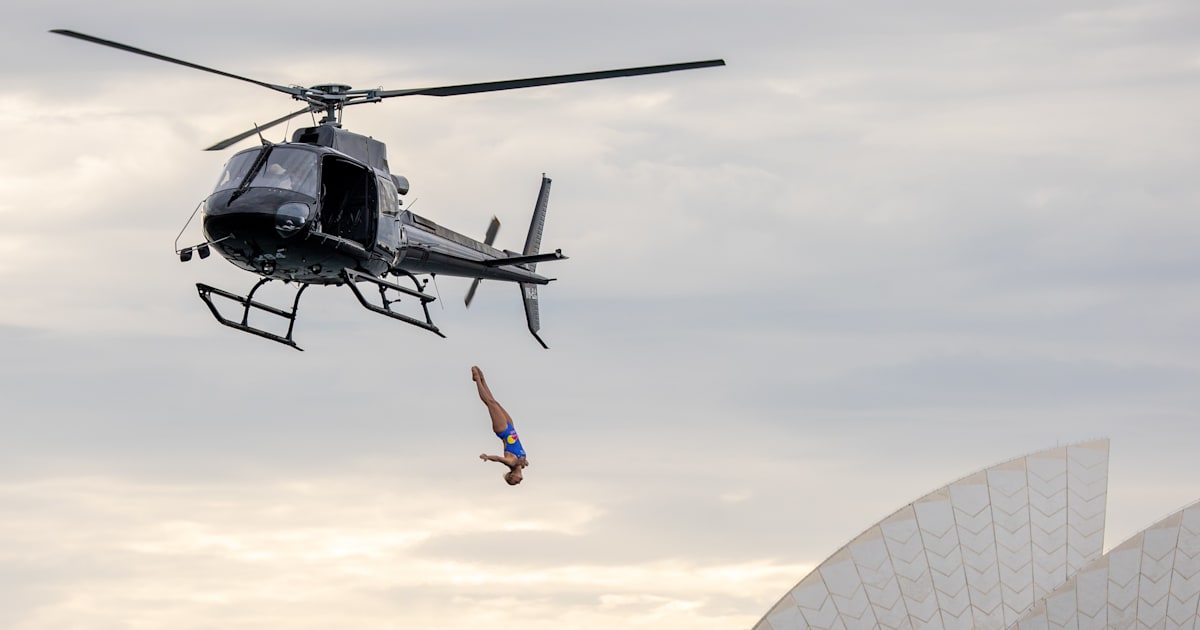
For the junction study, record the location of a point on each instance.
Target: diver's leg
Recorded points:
(500, 417)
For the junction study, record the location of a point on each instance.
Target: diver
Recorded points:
(502, 425)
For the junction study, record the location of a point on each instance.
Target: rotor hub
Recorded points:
(332, 89)
(332, 97)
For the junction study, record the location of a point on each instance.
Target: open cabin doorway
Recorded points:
(349, 200)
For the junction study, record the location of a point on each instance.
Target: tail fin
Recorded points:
(533, 243)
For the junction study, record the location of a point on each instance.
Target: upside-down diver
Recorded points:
(502, 426)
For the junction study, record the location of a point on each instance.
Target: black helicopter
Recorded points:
(325, 209)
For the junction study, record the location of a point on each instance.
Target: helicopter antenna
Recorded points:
(260, 136)
(286, 130)
(438, 291)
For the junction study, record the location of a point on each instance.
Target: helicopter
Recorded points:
(325, 209)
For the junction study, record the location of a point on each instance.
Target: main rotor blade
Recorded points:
(138, 51)
(228, 142)
(496, 86)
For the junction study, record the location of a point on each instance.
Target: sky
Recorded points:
(889, 244)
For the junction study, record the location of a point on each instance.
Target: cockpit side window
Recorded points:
(290, 169)
(388, 199)
(235, 169)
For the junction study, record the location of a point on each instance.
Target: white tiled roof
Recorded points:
(974, 554)
(1150, 581)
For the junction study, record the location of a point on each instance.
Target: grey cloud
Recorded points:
(965, 381)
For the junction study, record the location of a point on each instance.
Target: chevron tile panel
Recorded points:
(977, 553)
(1149, 581)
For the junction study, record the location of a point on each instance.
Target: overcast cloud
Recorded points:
(888, 245)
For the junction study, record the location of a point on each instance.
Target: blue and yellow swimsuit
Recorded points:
(512, 443)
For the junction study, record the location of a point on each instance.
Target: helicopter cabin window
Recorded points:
(289, 169)
(236, 168)
(389, 201)
(349, 201)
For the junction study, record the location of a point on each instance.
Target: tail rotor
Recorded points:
(488, 239)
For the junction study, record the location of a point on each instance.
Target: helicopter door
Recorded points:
(349, 201)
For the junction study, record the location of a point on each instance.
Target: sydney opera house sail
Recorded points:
(978, 553)
(1150, 581)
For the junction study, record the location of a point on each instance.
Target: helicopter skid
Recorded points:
(353, 277)
(247, 302)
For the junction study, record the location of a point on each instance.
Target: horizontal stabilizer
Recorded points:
(523, 260)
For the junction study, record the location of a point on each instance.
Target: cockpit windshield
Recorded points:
(286, 167)
(290, 169)
(235, 170)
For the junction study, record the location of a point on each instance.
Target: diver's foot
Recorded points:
(476, 373)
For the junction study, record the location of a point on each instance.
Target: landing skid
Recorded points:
(353, 277)
(247, 302)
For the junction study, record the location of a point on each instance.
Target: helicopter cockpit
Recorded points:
(297, 186)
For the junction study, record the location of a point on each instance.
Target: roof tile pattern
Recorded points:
(1150, 581)
(974, 554)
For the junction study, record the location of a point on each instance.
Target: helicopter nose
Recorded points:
(262, 212)
(258, 223)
